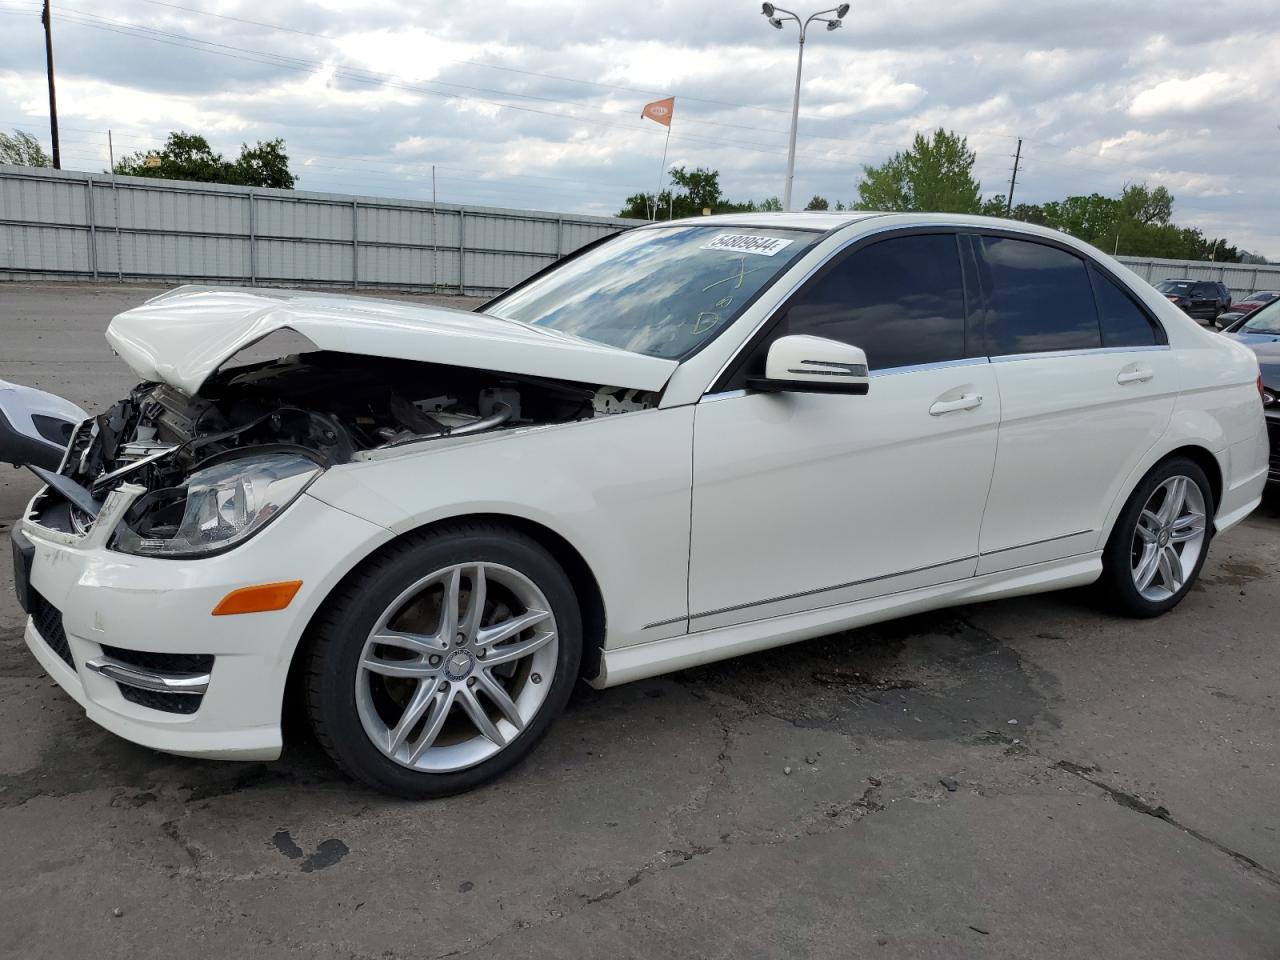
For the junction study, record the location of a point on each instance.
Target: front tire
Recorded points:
(1160, 540)
(442, 661)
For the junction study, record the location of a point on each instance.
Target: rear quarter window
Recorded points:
(1123, 322)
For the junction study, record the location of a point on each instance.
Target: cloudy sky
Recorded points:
(535, 103)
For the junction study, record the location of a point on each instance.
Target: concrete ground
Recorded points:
(1026, 778)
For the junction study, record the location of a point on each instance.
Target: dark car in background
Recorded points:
(1261, 331)
(1205, 300)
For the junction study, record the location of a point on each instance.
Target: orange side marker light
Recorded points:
(258, 599)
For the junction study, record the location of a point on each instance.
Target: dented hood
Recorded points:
(182, 337)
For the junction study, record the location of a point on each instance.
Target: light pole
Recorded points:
(777, 16)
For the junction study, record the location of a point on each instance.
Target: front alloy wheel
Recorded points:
(439, 663)
(453, 670)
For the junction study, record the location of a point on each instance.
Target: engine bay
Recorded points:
(329, 407)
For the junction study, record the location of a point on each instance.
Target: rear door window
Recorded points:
(1039, 298)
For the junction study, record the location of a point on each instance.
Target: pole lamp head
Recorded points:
(766, 9)
(776, 22)
(842, 11)
(834, 24)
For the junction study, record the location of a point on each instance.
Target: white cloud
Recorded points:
(1102, 95)
(1187, 95)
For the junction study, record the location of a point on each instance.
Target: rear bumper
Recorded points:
(104, 624)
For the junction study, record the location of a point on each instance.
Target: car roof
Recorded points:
(856, 221)
(805, 220)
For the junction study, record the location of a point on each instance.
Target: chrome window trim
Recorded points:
(722, 395)
(1087, 351)
(935, 365)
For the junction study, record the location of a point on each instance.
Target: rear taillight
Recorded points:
(1262, 394)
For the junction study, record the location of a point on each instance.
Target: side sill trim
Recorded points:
(838, 586)
(1036, 543)
(664, 623)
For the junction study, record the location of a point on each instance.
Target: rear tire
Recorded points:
(440, 664)
(1160, 540)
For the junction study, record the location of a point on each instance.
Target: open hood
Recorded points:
(182, 337)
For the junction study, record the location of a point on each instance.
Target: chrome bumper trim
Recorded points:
(132, 676)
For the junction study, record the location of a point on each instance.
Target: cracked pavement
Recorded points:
(1024, 778)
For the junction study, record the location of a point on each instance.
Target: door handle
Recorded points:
(1136, 375)
(964, 402)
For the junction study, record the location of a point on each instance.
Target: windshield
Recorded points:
(660, 291)
(1265, 320)
(1174, 286)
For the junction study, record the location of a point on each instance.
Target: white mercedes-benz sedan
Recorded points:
(690, 441)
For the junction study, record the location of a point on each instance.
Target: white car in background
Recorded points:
(694, 440)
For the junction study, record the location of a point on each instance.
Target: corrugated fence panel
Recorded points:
(167, 255)
(300, 261)
(497, 271)
(43, 201)
(303, 219)
(37, 248)
(64, 224)
(385, 265)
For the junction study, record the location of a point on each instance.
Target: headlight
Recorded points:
(220, 506)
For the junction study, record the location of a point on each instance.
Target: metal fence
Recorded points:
(1240, 278)
(57, 224)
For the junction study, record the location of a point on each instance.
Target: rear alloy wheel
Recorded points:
(1160, 540)
(1168, 539)
(426, 684)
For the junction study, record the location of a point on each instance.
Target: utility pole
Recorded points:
(47, 20)
(1013, 181)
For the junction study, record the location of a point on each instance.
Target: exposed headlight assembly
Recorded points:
(220, 506)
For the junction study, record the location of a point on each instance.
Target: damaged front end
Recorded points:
(203, 472)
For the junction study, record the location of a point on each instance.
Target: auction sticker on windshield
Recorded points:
(747, 243)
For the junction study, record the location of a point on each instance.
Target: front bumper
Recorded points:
(89, 603)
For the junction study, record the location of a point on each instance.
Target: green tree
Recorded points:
(23, 150)
(770, 205)
(817, 203)
(935, 174)
(188, 156)
(1088, 218)
(692, 191)
(264, 165)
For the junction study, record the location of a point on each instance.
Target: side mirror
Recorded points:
(807, 364)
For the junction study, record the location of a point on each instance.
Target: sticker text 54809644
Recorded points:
(747, 243)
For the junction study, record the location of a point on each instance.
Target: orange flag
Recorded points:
(660, 111)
